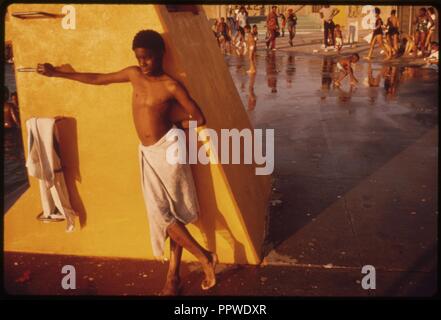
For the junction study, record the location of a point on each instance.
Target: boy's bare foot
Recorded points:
(251, 71)
(368, 58)
(172, 287)
(210, 271)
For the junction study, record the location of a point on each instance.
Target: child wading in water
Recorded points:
(344, 66)
(251, 44)
(158, 103)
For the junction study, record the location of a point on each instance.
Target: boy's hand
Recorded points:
(46, 69)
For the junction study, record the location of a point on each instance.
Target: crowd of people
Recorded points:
(394, 43)
(231, 35)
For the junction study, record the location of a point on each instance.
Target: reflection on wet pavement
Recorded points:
(328, 139)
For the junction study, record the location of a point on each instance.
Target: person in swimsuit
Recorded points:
(377, 37)
(392, 33)
(421, 30)
(431, 27)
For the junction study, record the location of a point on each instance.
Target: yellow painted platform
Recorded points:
(99, 142)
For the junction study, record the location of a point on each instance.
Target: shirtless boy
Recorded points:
(251, 44)
(344, 65)
(158, 102)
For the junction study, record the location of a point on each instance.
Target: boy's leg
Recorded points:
(326, 27)
(172, 283)
(331, 29)
(272, 39)
(428, 40)
(395, 41)
(208, 260)
(371, 48)
(341, 75)
(252, 56)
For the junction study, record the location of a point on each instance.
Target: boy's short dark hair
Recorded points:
(434, 43)
(377, 10)
(431, 10)
(254, 25)
(356, 55)
(393, 12)
(247, 27)
(337, 25)
(151, 40)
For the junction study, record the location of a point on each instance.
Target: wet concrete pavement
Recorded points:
(355, 169)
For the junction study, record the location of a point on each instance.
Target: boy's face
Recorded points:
(354, 59)
(146, 60)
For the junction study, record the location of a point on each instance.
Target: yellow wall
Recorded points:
(100, 143)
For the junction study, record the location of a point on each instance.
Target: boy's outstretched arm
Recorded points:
(192, 111)
(49, 70)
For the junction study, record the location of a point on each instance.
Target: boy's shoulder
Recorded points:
(169, 82)
(133, 69)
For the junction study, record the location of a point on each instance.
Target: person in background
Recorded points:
(432, 60)
(255, 33)
(392, 34)
(292, 22)
(242, 19)
(327, 14)
(224, 36)
(272, 26)
(409, 44)
(214, 29)
(283, 18)
(338, 36)
(422, 21)
(431, 27)
(345, 68)
(377, 37)
(251, 45)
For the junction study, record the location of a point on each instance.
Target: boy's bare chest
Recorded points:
(150, 96)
